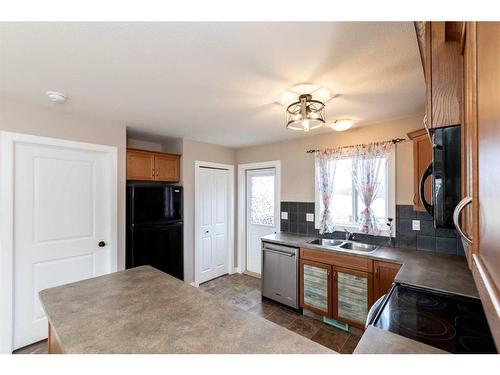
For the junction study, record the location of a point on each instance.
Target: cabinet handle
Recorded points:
(153, 172)
(456, 214)
(376, 273)
(157, 172)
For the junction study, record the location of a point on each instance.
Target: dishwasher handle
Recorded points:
(280, 249)
(279, 252)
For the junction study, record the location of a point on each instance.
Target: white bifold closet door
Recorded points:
(213, 218)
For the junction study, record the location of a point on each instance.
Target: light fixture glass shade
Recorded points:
(306, 114)
(341, 125)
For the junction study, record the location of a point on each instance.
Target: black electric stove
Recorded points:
(449, 322)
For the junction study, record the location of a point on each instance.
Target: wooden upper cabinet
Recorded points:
(383, 277)
(145, 165)
(422, 157)
(167, 167)
(440, 50)
(140, 165)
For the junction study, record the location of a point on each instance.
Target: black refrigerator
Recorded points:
(155, 227)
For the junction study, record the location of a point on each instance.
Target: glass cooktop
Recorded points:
(452, 323)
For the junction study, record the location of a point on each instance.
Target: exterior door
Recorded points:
(262, 214)
(213, 222)
(64, 223)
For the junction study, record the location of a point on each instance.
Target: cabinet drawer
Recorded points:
(348, 261)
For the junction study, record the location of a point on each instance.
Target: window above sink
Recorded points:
(347, 202)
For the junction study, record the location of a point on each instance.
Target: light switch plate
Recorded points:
(284, 216)
(415, 224)
(309, 217)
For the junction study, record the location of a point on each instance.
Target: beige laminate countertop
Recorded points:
(143, 310)
(446, 273)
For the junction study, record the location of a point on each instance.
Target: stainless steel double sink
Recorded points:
(344, 245)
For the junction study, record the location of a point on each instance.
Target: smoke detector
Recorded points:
(56, 97)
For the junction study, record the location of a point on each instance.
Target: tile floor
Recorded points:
(244, 291)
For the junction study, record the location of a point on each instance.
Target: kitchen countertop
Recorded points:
(143, 310)
(446, 273)
(378, 341)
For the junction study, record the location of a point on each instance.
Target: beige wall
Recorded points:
(297, 167)
(192, 151)
(54, 122)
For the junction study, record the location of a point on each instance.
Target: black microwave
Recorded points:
(445, 171)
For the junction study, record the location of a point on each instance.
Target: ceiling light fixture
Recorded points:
(56, 97)
(341, 125)
(317, 92)
(305, 114)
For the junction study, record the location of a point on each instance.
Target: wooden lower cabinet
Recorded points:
(336, 286)
(383, 277)
(352, 296)
(316, 287)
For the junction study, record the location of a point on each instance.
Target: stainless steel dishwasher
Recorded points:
(280, 266)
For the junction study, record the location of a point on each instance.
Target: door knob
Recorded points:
(101, 244)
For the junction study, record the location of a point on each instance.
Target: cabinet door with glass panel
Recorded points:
(315, 287)
(351, 295)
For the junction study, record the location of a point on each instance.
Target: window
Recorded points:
(262, 200)
(347, 204)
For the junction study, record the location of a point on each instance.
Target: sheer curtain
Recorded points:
(325, 163)
(368, 162)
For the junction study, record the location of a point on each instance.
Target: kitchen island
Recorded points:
(143, 310)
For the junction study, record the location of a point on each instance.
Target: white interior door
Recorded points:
(63, 208)
(213, 222)
(262, 213)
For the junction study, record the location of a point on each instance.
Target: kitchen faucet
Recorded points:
(347, 235)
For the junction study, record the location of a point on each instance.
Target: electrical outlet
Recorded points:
(415, 224)
(309, 217)
(284, 216)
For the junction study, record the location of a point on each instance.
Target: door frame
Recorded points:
(7, 144)
(242, 204)
(230, 215)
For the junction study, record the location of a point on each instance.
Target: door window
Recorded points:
(262, 200)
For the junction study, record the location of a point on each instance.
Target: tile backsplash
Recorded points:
(298, 217)
(427, 238)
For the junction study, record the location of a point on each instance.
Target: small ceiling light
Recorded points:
(305, 114)
(341, 125)
(56, 97)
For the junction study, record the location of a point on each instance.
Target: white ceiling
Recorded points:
(213, 82)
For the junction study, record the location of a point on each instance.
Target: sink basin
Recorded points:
(357, 246)
(345, 245)
(327, 242)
